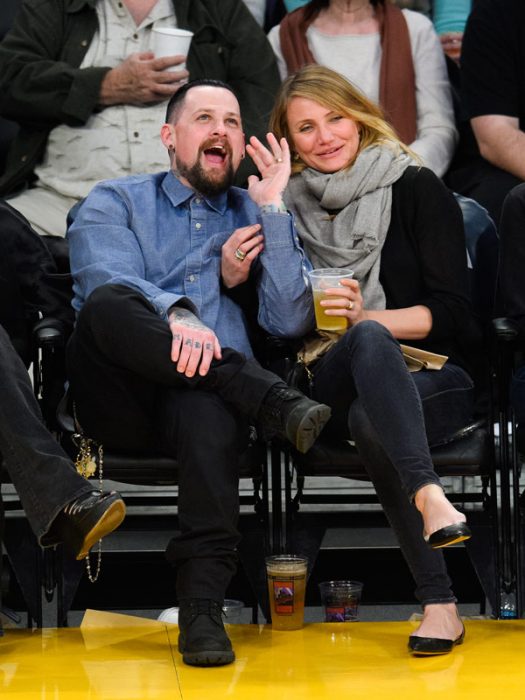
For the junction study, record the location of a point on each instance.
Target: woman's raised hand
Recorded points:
(273, 163)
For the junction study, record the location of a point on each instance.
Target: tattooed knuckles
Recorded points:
(194, 344)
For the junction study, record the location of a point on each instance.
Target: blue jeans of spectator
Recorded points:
(43, 475)
(393, 415)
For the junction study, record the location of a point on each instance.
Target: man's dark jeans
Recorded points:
(42, 473)
(384, 409)
(130, 396)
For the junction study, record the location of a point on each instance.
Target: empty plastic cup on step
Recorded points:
(341, 600)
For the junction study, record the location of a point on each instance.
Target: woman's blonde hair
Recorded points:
(336, 93)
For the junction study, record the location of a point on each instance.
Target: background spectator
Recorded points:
(78, 76)
(393, 56)
(493, 99)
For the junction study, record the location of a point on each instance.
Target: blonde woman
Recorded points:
(361, 201)
(394, 56)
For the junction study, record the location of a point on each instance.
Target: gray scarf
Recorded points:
(343, 218)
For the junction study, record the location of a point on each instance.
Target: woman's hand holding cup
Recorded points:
(345, 300)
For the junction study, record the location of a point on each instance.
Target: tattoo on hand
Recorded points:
(209, 346)
(189, 342)
(185, 318)
(197, 345)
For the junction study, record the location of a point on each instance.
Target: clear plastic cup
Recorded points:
(286, 587)
(232, 610)
(327, 278)
(341, 600)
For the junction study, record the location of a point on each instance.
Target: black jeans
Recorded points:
(512, 255)
(130, 396)
(43, 475)
(392, 415)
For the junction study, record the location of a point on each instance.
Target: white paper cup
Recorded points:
(168, 41)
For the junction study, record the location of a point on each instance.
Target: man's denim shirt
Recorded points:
(153, 234)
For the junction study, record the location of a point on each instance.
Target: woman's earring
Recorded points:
(171, 148)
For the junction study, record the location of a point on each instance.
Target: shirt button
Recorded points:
(135, 36)
(23, 159)
(84, 42)
(197, 200)
(136, 134)
(191, 278)
(198, 226)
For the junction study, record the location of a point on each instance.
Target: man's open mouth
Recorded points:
(216, 154)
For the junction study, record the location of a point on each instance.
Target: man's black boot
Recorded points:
(202, 638)
(287, 413)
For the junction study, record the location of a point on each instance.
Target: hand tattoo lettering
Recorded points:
(189, 342)
(197, 345)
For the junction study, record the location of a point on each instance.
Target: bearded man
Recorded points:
(161, 358)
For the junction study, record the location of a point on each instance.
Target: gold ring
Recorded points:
(239, 254)
(350, 305)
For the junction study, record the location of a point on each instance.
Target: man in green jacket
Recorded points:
(81, 80)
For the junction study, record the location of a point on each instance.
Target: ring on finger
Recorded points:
(240, 254)
(350, 305)
(278, 160)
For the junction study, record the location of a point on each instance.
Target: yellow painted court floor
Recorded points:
(117, 656)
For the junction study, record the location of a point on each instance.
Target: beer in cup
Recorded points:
(327, 278)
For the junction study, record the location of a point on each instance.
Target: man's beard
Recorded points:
(201, 181)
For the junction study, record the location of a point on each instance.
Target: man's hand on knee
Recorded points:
(194, 345)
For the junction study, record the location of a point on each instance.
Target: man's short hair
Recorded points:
(177, 100)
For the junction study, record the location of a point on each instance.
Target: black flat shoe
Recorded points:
(433, 646)
(452, 534)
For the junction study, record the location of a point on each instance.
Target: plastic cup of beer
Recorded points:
(286, 586)
(322, 279)
(341, 600)
(169, 41)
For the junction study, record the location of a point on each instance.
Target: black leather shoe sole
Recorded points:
(432, 646)
(310, 426)
(452, 534)
(109, 520)
(206, 658)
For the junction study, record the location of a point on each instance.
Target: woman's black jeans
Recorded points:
(393, 415)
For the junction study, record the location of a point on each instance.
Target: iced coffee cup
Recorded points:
(286, 586)
(322, 279)
(168, 41)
